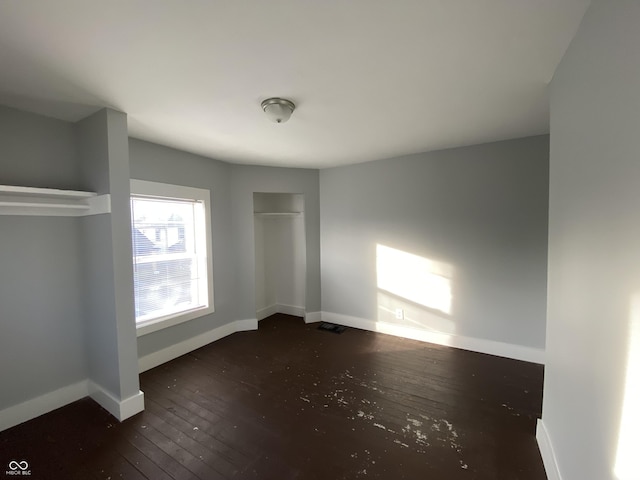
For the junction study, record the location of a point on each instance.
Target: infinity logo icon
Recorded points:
(23, 465)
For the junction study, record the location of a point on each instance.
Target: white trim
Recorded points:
(176, 350)
(35, 407)
(291, 310)
(171, 320)
(132, 405)
(121, 409)
(143, 188)
(508, 350)
(167, 190)
(547, 452)
(280, 308)
(266, 312)
(246, 325)
(313, 317)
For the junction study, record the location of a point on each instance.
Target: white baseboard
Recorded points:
(121, 409)
(9, 417)
(174, 351)
(132, 405)
(280, 308)
(246, 325)
(291, 310)
(517, 352)
(312, 317)
(266, 312)
(547, 452)
(48, 402)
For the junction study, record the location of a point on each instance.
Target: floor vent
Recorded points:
(331, 327)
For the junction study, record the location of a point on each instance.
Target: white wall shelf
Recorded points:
(15, 200)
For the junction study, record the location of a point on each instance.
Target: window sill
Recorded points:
(171, 320)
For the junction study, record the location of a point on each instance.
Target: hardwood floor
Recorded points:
(293, 402)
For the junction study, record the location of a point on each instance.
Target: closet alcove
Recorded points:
(280, 253)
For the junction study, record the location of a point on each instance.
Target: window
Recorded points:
(172, 268)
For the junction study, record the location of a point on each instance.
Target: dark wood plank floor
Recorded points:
(293, 402)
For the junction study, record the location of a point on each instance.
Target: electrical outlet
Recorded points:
(399, 313)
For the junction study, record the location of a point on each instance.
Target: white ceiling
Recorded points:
(371, 78)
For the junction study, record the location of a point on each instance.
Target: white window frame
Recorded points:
(141, 188)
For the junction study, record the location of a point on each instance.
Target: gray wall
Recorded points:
(592, 390)
(479, 214)
(156, 163)
(37, 151)
(41, 322)
(232, 188)
(69, 295)
(108, 273)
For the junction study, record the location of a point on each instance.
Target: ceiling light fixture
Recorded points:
(278, 110)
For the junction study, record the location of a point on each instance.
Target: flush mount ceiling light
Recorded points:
(278, 110)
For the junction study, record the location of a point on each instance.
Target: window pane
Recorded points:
(168, 257)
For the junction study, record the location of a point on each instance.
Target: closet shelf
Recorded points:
(277, 214)
(15, 200)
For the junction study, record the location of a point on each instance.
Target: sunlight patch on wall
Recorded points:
(415, 316)
(414, 278)
(626, 467)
